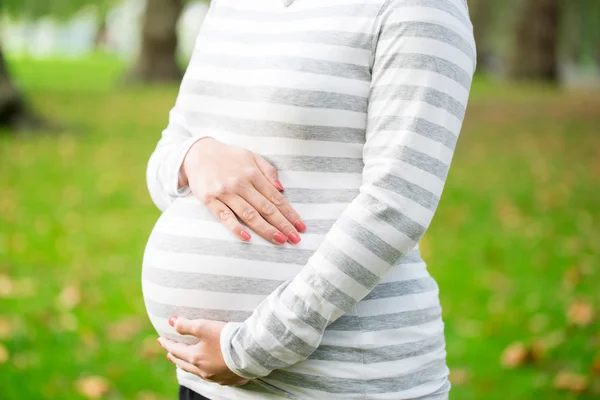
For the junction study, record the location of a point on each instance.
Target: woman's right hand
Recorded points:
(229, 179)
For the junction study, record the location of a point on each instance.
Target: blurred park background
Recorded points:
(85, 90)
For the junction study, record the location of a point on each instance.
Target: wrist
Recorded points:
(188, 161)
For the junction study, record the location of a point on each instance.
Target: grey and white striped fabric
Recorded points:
(359, 105)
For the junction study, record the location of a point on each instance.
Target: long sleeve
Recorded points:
(162, 172)
(424, 59)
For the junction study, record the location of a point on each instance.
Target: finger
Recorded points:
(251, 217)
(279, 200)
(179, 350)
(228, 218)
(193, 327)
(184, 365)
(270, 211)
(268, 170)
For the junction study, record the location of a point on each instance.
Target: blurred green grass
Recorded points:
(514, 245)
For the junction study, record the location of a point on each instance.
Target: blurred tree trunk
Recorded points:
(157, 60)
(101, 39)
(536, 41)
(14, 112)
(480, 17)
(572, 30)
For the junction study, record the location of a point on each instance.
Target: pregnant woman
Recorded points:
(303, 161)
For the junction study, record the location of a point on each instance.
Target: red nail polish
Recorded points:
(294, 238)
(300, 226)
(245, 235)
(278, 184)
(172, 321)
(280, 238)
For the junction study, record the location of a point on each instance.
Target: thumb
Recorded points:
(268, 170)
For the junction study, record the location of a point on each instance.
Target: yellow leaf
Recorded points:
(69, 297)
(6, 286)
(124, 329)
(509, 214)
(92, 387)
(458, 376)
(572, 277)
(580, 313)
(145, 395)
(150, 348)
(5, 328)
(571, 381)
(514, 355)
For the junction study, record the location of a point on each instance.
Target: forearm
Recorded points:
(418, 97)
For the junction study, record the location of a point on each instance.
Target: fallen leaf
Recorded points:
(508, 213)
(124, 329)
(145, 395)
(596, 365)
(515, 355)
(92, 387)
(3, 354)
(5, 328)
(572, 277)
(69, 297)
(6, 286)
(580, 313)
(150, 348)
(537, 350)
(458, 376)
(571, 381)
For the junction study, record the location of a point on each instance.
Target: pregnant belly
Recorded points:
(195, 268)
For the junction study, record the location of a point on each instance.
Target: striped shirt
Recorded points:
(358, 104)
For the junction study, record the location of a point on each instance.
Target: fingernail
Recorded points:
(294, 238)
(168, 357)
(300, 226)
(158, 340)
(245, 235)
(278, 184)
(172, 321)
(280, 238)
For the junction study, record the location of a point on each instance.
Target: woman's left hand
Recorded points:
(204, 358)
